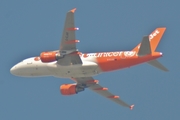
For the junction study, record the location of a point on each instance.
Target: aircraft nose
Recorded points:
(14, 70)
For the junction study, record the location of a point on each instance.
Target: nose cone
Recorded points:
(14, 71)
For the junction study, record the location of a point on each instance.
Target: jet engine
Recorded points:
(49, 56)
(70, 89)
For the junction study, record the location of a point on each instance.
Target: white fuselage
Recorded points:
(31, 68)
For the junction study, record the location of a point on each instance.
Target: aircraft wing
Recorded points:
(68, 42)
(94, 86)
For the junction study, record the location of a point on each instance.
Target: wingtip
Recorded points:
(131, 107)
(73, 10)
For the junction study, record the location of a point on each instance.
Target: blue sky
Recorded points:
(28, 28)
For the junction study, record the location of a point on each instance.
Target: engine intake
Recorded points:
(49, 56)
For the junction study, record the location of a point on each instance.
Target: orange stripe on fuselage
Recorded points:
(110, 61)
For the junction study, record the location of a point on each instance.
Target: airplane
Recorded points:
(68, 62)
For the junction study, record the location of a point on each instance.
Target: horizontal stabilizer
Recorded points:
(145, 47)
(158, 65)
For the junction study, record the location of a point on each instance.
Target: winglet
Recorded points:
(73, 10)
(131, 107)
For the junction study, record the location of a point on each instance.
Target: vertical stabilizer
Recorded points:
(154, 39)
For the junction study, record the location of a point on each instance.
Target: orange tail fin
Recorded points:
(154, 38)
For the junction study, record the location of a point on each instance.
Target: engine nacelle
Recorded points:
(71, 89)
(49, 56)
(68, 89)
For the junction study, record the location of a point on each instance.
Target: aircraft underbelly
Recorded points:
(84, 70)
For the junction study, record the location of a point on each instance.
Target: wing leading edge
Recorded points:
(94, 86)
